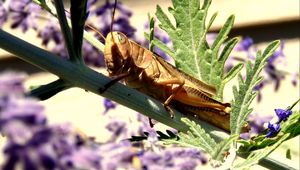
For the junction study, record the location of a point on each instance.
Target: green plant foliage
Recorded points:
(222, 147)
(244, 95)
(191, 52)
(196, 137)
(291, 127)
(254, 157)
(78, 17)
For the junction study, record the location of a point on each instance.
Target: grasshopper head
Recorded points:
(116, 52)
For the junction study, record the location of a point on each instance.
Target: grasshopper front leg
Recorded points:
(113, 81)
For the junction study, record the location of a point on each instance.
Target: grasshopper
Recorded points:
(149, 73)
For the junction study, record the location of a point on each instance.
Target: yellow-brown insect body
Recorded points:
(150, 74)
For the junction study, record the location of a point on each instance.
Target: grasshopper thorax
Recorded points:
(116, 53)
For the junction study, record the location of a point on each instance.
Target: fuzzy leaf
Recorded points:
(191, 51)
(185, 35)
(195, 137)
(244, 95)
(233, 72)
(160, 45)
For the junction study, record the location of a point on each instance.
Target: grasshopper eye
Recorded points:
(121, 38)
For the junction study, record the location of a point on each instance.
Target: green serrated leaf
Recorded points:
(245, 94)
(233, 72)
(186, 35)
(160, 45)
(219, 151)
(222, 35)
(212, 19)
(190, 48)
(196, 137)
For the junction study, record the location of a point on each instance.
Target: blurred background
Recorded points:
(257, 21)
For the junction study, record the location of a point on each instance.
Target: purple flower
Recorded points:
(24, 14)
(92, 56)
(173, 158)
(245, 44)
(117, 128)
(11, 83)
(109, 6)
(108, 104)
(273, 129)
(91, 3)
(3, 14)
(51, 32)
(283, 114)
(256, 122)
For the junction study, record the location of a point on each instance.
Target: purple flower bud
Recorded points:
(3, 14)
(282, 114)
(273, 129)
(51, 32)
(117, 128)
(245, 44)
(11, 83)
(24, 13)
(108, 104)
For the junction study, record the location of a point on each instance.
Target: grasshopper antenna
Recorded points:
(113, 16)
(112, 19)
(98, 32)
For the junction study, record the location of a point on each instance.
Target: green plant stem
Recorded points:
(66, 30)
(44, 92)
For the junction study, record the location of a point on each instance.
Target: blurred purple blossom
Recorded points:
(108, 104)
(3, 14)
(245, 44)
(173, 158)
(11, 83)
(50, 32)
(24, 14)
(118, 130)
(92, 55)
